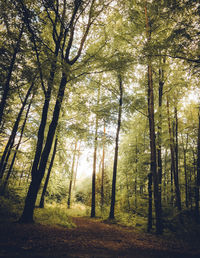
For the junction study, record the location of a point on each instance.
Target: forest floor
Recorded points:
(90, 238)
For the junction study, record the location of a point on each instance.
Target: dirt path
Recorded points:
(90, 238)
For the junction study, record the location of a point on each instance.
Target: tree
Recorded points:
(9, 145)
(112, 206)
(91, 10)
(93, 203)
(41, 205)
(72, 175)
(157, 193)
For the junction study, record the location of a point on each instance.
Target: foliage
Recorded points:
(117, 44)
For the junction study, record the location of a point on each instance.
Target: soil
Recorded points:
(91, 238)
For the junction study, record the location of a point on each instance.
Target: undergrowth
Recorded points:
(54, 214)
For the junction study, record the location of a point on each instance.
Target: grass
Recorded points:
(78, 210)
(52, 214)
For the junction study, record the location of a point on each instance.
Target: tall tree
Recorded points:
(114, 179)
(157, 193)
(17, 147)
(197, 186)
(72, 175)
(41, 205)
(93, 203)
(103, 168)
(6, 87)
(90, 10)
(11, 140)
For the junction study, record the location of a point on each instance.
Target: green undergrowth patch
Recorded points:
(53, 215)
(131, 220)
(78, 210)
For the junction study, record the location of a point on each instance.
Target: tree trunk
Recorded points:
(149, 225)
(161, 84)
(93, 203)
(153, 167)
(16, 150)
(197, 186)
(103, 169)
(113, 195)
(157, 196)
(185, 169)
(77, 163)
(41, 205)
(10, 71)
(71, 177)
(37, 175)
(136, 170)
(173, 163)
(186, 178)
(11, 139)
(177, 159)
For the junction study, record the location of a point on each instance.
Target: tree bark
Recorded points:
(27, 215)
(10, 71)
(149, 224)
(173, 162)
(197, 186)
(157, 196)
(93, 203)
(161, 84)
(11, 139)
(177, 158)
(185, 169)
(153, 167)
(41, 205)
(113, 195)
(103, 169)
(77, 163)
(17, 147)
(71, 177)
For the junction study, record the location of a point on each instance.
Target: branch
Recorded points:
(180, 57)
(89, 23)
(26, 20)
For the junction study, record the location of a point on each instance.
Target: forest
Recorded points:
(100, 115)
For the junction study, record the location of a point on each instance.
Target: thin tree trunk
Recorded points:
(113, 195)
(103, 169)
(17, 147)
(136, 171)
(186, 178)
(157, 196)
(93, 203)
(197, 186)
(161, 84)
(173, 163)
(77, 163)
(185, 169)
(41, 205)
(149, 224)
(71, 177)
(10, 71)
(11, 139)
(166, 181)
(177, 158)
